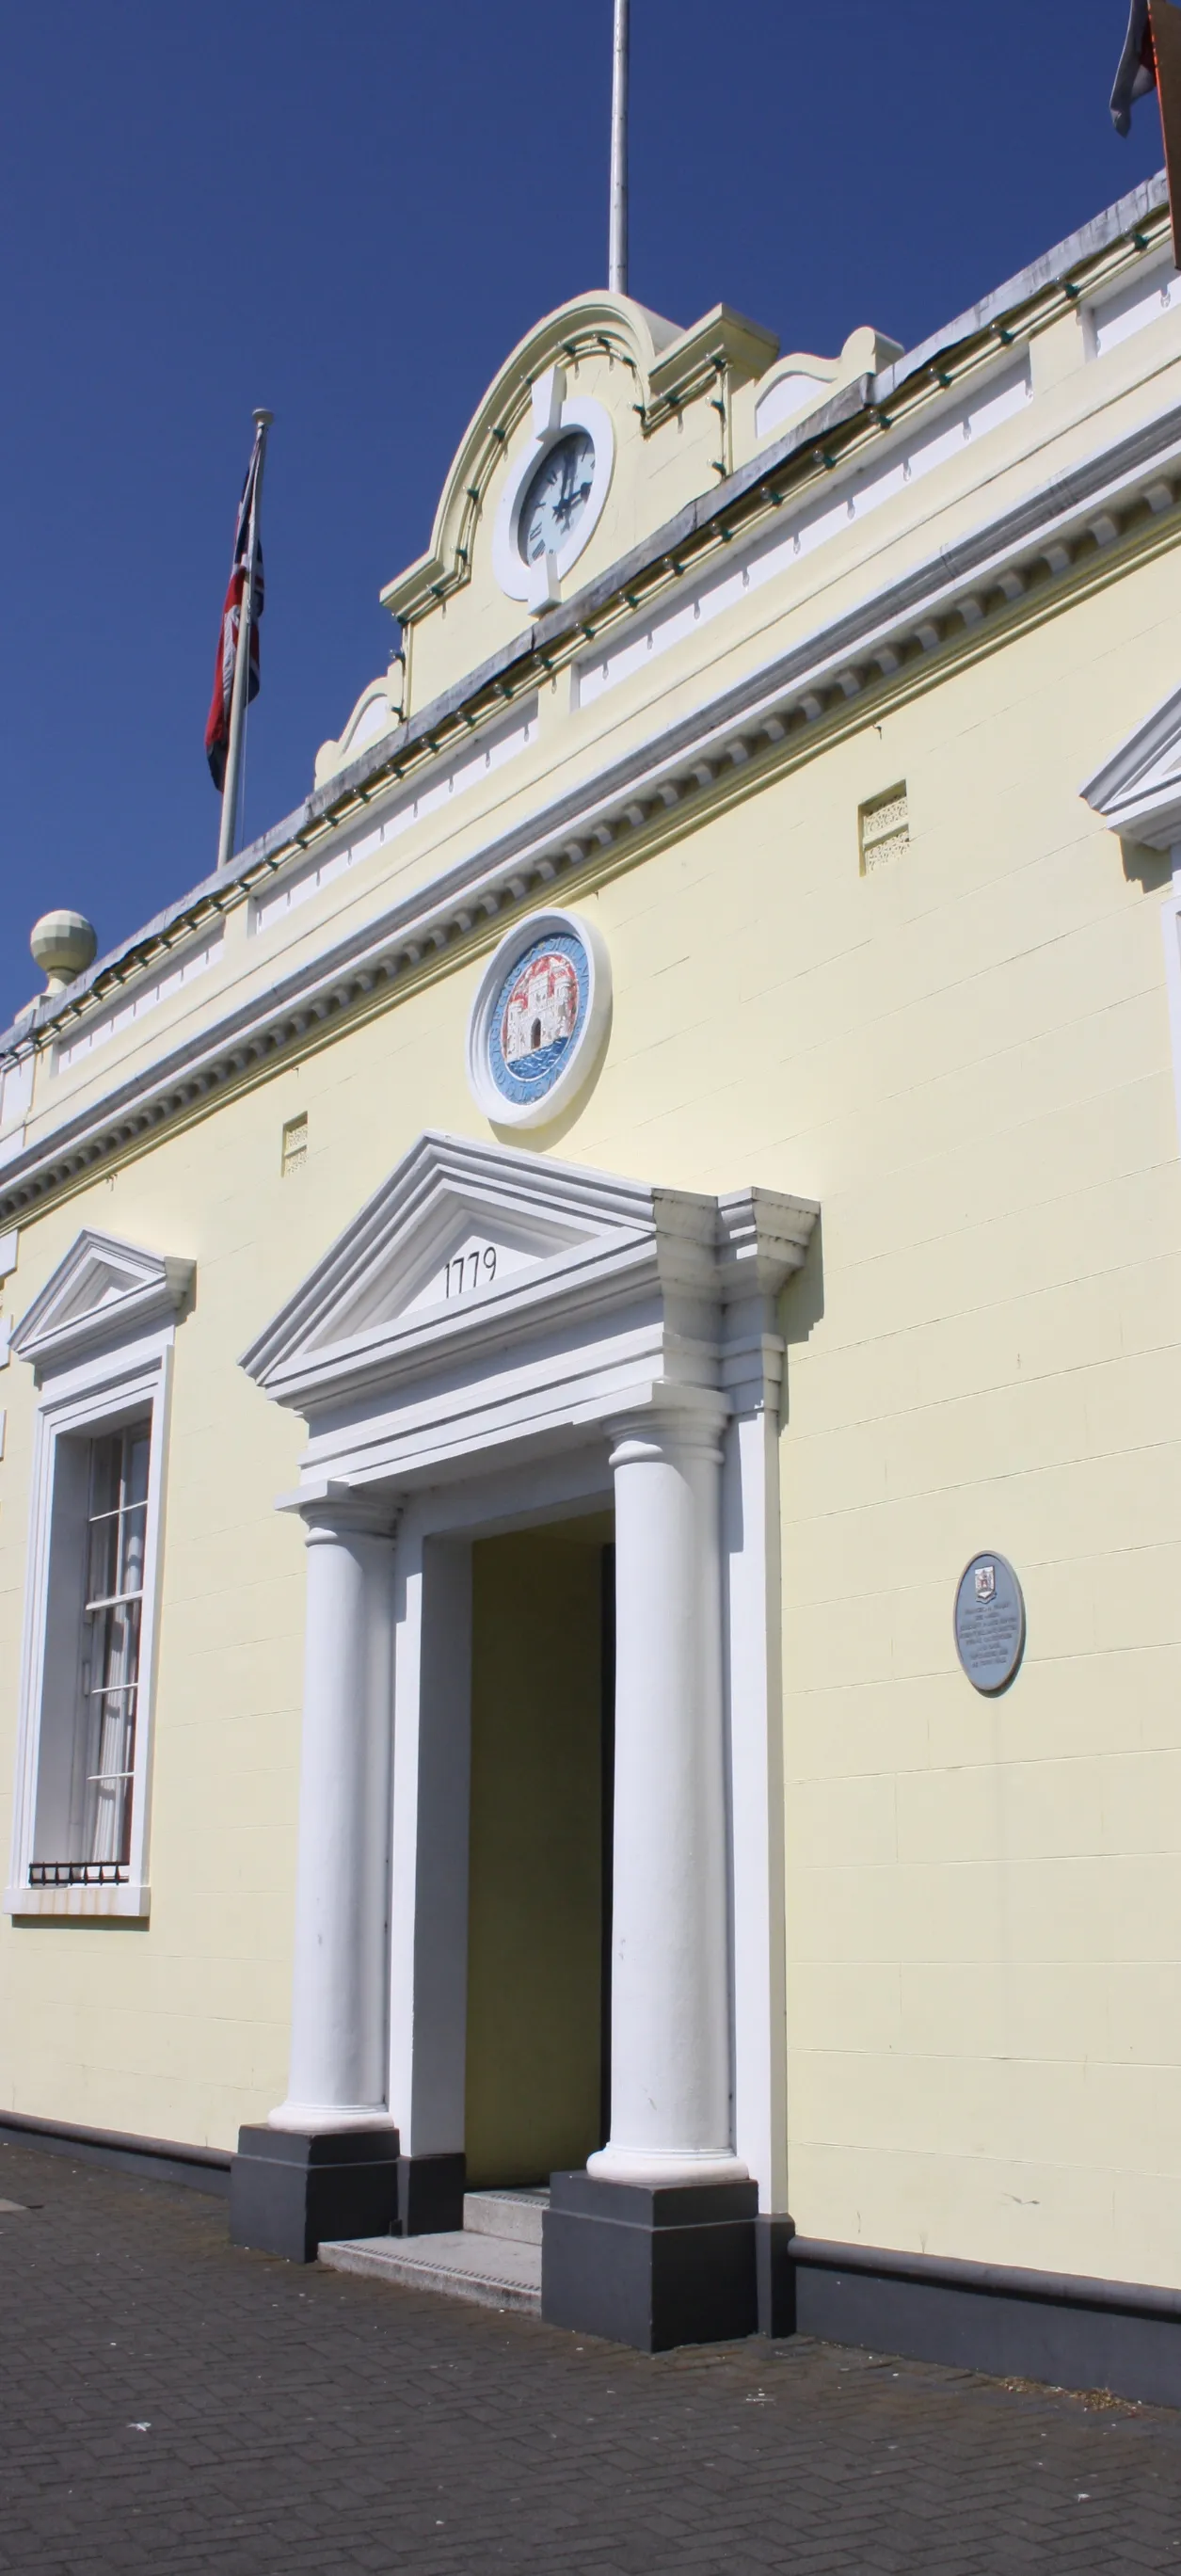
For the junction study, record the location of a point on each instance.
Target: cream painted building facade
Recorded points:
(664, 1161)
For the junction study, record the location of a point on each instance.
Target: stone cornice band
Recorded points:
(1063, 533)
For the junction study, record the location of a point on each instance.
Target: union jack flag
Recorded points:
(217, 730)
(1137, 67)
(1151, 60)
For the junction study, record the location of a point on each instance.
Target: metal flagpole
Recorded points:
(1165, 22)
(617, 259)
(229, 793)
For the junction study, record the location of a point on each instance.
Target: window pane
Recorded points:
(110, 1676)
(133, 1528)
(136, 1470)
(104, 1557)
(114, 1674)
(109, 1816)
(104, 1475)
(84, 1826)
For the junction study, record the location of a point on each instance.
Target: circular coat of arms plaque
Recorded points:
(989, 1623)
(539, 1020)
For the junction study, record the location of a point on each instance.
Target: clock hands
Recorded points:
(570, 492)
(559, 495)
(564, 506)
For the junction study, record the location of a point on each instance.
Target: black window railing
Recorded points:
(78, 1873)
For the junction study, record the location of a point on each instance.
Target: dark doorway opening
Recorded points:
(539, 1894)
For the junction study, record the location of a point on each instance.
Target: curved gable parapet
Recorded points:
(634, 419)
(608, 325)
(800, 382)
(378, 711)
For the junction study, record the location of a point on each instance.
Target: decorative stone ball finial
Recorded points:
(63, 945)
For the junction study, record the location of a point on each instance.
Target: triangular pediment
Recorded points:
(459, 1233)
(1138, 791)
(104, 1290)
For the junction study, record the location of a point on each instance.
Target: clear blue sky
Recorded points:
(350, 210)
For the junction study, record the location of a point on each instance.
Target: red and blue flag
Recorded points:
(217, 730)
(1151, 60)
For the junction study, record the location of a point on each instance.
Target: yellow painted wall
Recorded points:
(966, 1059)
(534, 1924)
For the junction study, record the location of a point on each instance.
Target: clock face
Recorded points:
(557, 496)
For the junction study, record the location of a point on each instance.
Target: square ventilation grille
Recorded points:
(883, 827)
(295, 1145)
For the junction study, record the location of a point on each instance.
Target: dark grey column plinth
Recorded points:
(292, 2190)
(430, 2194)
(777, 2276)
(650, 2268)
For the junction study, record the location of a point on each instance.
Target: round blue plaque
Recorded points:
(538, 1017)
(989, 1623)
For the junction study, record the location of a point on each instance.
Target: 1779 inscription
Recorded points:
(468, 1270)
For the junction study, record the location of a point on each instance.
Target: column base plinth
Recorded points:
(290, 2189)
(776, 2277)
(650, 2268)
(430, 2194)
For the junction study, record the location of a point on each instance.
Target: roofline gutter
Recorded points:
(496, 681)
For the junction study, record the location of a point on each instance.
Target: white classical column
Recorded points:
(671, 2117)
(338, 2011)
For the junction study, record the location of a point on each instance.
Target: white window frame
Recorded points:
(1171, 929)
(87, 1402)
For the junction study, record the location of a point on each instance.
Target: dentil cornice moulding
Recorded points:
(891, 641)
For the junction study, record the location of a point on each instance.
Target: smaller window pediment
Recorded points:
(1137, 793)
(103, 1291)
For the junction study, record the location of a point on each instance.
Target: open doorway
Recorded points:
(539, 1908)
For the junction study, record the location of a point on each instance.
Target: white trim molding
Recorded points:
(494, 1334)
(103, 1293)
(677, 366)
(1137, 793)
(100, 1340)
(1069, 525)
(1171, 932)
(406, 1348)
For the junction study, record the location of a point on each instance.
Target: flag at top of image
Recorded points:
(217, 730)
(1151, 60)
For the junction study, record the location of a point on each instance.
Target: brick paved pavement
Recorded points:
(170, 2406)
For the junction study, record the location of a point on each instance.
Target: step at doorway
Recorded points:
(493, 2261)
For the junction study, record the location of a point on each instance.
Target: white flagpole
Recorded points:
(617, 260)
(229, 793)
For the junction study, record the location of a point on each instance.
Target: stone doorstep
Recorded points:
(493, 2261)
(506, 2213)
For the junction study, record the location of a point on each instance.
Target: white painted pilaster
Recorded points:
(763, 1240)
(429, 1877)
(671, 2117)
(1171, 928)
(338, 2012)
